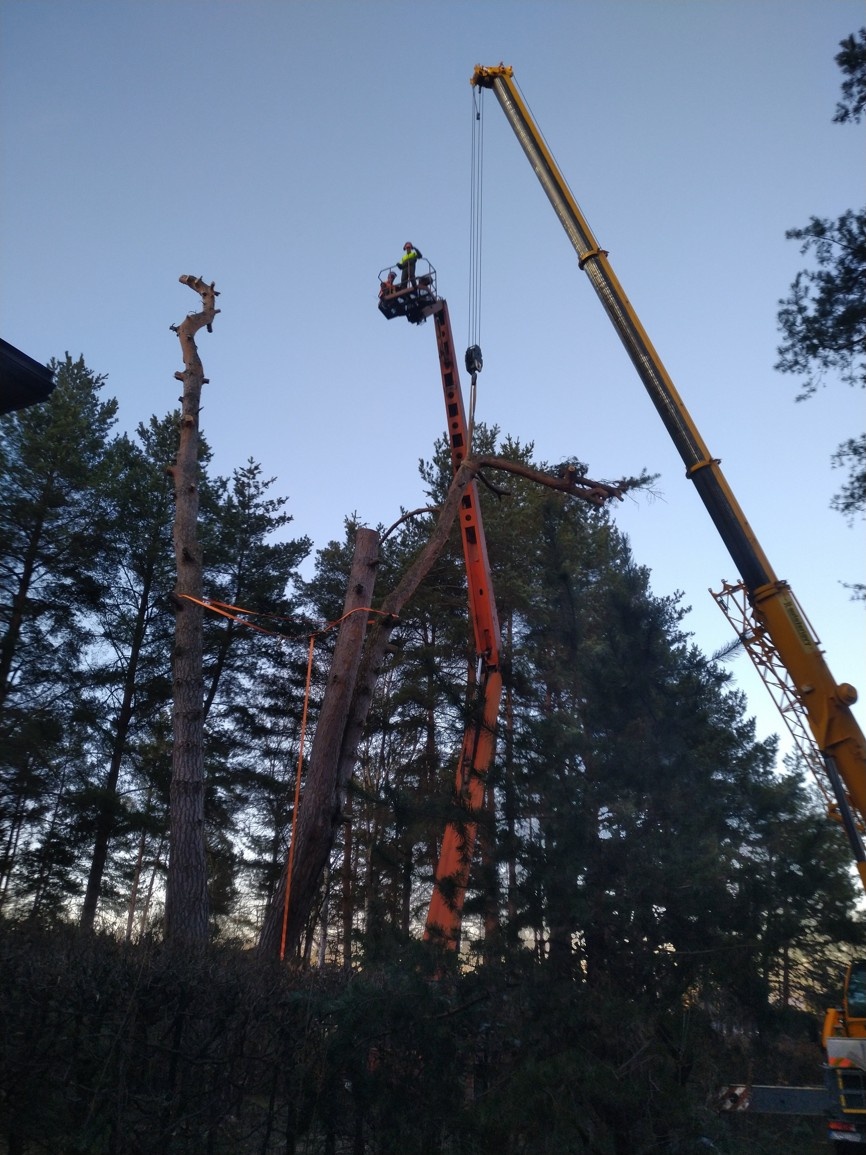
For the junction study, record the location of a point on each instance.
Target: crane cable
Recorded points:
(473, 351)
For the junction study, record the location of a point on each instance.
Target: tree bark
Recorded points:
(319, 811)
(347, 893)
(186, 903)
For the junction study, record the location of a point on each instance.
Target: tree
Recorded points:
(52, 533)
(186, 905)
(823, 320)
(794, 872)
(129, 677)
(247, 711)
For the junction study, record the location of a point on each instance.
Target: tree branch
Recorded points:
(569, 481)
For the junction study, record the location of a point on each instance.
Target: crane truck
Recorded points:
(773, 628)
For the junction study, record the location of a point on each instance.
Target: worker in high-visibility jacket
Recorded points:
(407, 263)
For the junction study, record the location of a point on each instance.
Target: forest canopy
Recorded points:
(640, 856)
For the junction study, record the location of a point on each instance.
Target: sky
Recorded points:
(287, 150)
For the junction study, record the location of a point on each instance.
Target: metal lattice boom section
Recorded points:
(734, 604)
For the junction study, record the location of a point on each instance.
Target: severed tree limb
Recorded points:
(568, 481)
(186, 903)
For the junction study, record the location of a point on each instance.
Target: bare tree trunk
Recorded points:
(136, 881)
(10, 851)
(136, 875)
(106, 818)
(186, 904)
(151, 886)
(488, 858)
(346, 898)
(380, 634)
(322, 948)
(318, 815)
(44, 874)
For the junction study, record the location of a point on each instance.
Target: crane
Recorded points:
(775, 614)
(774, 629)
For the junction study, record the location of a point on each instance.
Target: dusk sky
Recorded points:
(287, 150)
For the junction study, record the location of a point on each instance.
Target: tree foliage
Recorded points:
(823, 319)
(852, 61)
(650, 904)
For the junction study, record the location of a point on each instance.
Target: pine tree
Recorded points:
(52, 520)
(250, 657)
(129, 680)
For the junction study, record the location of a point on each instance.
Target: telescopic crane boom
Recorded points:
(776, 619)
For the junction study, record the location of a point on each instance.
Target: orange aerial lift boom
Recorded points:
(416, 301)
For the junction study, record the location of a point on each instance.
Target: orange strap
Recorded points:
(225, 608)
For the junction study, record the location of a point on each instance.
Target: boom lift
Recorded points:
(775, 631)
(416, 301)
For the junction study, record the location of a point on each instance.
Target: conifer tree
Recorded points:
(52, 522)
(129, 680)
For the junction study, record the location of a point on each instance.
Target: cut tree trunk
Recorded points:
(319, 812)
(186, 903)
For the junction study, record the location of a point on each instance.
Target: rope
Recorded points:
(475, 218)
(224, 608)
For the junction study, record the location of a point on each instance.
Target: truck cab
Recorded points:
(844, 1038)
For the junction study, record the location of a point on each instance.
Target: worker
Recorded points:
(407, 263)
(387, 286)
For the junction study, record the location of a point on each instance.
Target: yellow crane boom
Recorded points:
(776, 616)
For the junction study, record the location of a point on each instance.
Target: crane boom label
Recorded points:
(796, 620)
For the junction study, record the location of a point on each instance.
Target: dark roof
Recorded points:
(23, 381)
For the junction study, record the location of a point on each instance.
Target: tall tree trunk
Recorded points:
(10, 850)
(186, 904)
(509, 794)
(9, 641)
(347, 893)
(487, 844)
(45, 860)
(151, 886)
(107, 815)
(319, 812)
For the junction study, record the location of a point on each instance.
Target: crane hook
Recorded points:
(474, 361)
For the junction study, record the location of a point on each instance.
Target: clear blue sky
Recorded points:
(287, 150)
